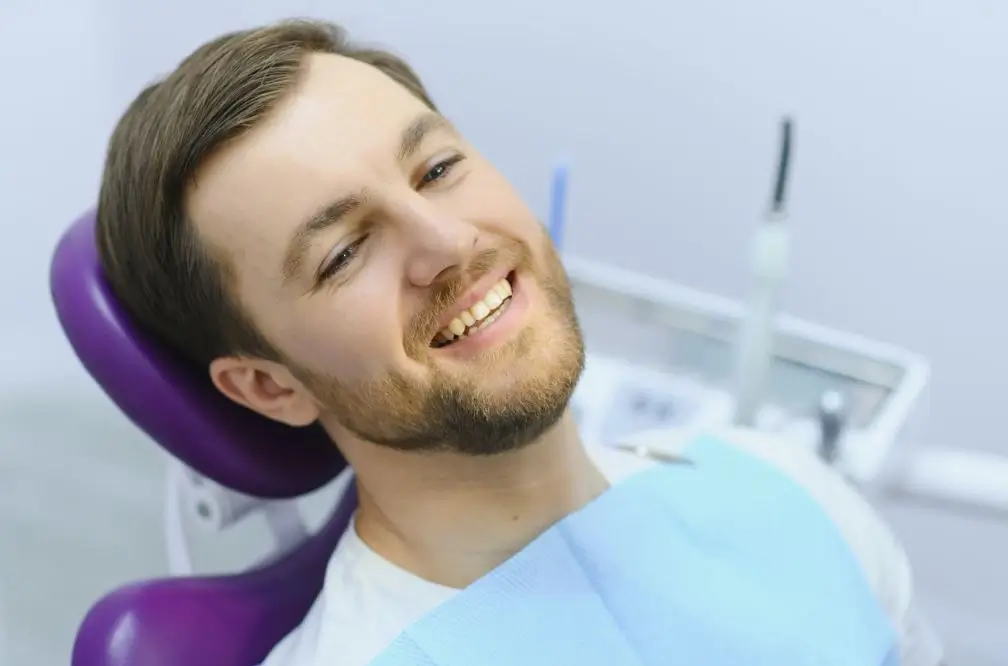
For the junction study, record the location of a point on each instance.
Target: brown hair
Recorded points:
(175, 285)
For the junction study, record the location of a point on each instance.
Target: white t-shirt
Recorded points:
(367, 601)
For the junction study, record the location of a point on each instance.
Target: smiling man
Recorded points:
(292, 212)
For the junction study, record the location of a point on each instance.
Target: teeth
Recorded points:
(479, 311)
(479, 315)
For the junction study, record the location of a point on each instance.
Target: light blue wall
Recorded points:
(668, 111)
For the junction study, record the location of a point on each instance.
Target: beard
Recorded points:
(506, 400)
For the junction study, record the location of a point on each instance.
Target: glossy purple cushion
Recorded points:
(171, 399)
(210, 621)
(213, 621)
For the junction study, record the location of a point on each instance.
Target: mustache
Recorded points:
(447, 289)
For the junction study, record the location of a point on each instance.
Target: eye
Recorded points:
(340, 260)
(440, 170)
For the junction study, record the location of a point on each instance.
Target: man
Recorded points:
(291, 211)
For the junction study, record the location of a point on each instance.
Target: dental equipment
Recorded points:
(654, 344)
(770, 259)
(558, 203)
(663, 356)
(831, 415)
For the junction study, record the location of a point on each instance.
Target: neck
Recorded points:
(451, 518)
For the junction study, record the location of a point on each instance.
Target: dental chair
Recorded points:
(230, 620)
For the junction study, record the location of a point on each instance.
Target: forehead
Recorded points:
(334, 134)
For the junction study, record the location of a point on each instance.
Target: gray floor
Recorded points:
(80, 512)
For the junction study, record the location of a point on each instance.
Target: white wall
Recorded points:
(668, 111)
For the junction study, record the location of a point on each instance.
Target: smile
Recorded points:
(478, 317)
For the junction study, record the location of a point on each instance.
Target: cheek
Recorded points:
(348, 338)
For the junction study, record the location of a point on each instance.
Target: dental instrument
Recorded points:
(558, 203)
(769, 265)
(832, 419)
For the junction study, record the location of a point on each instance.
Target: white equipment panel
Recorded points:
(664, 355)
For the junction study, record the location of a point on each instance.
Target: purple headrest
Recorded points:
(173, 400)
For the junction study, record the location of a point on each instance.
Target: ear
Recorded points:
(264, 387)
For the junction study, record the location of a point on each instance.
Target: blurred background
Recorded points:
(668, 113)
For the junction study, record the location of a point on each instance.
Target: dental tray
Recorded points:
(662, 355)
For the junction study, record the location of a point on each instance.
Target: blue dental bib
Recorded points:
(721, 562)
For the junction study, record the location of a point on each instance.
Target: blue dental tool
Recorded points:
(558, 203)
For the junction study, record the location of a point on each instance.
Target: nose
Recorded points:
(437, 244)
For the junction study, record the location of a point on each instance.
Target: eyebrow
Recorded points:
(334, 212)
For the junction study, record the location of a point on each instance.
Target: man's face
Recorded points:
(416, 301)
